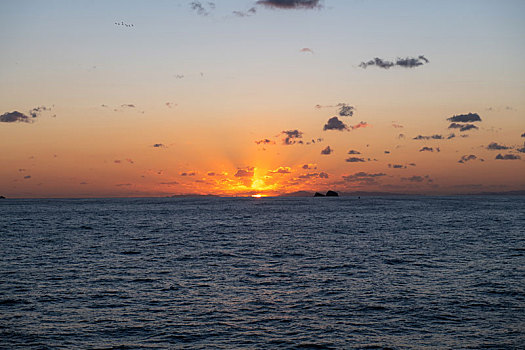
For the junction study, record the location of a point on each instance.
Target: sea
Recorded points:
(398, 272)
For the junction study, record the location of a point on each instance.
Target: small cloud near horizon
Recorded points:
(290, 4)
(327, 151)
(408, 62)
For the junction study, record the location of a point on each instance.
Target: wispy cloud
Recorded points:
(280, 170)
(362, 177)
(354, 160)
(160, 145)
(264, 142)
(250, 12)
(408, 62)
(202, 10)
(306, 50)
(417, 178)
(321, 175)
(353, 151)
(290, 4)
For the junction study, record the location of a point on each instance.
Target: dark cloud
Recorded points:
(290, 4)
(433, 137)
(321, 175)
(291, 136)
(467, 158)
(247, 172)
(426, 149)
(327, 151)
(35, 112)
(192, 173)
(335, 124)
(362, 177)
(201, 9)
(507, 157)
(346, 110)
(462, 127)
(127, 106)
(523, 135)
(27, 177)
(309, 166)
(159, 145)
(353, 151)
(451, 136)
(521, 149)
(495, 146)
(412, 164)
(264, 142)
(397, 166)
(252, 11)
(465, 118)
(13, 117)
(408, 62)
(354, 160)
(387, 152)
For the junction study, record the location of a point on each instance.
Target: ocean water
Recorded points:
(292, 273)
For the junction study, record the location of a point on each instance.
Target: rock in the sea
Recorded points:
(317, 194)
(332, 194)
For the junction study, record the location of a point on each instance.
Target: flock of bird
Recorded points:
(123, 24)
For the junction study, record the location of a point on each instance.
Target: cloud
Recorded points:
(408, 62)
(466, 158)
(426, 149)
(290, 4)
(291, 136)
(129, 160)
(327, 151)
(417, 178)
(280, 170)
(127, 106)
(306, 50)
(170, 183)
(247, 172)
(346, 110)
(27, 177)
(160, 145)
(354, 160)
(353, 151)
(359, 125)
(15, 116)
(507, 157)
(362, 177)
(117, 161)
(309, 166)
(387, 152)
(523, 135)
(35, 112)
(397, 166)
(192, 173)
(462, 127)
(396, 125)
(171, 104)
(401, 136)
(335, 124)
(465, 118)
(201, 9)
(321, 175)
(495, 146)
(451, 136)
(252, 11)
(433, 137)
(522, 149)
(264, 142)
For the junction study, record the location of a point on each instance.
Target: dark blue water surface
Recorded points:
(294, 273)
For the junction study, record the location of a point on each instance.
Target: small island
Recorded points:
(328, 194)
(2, 197)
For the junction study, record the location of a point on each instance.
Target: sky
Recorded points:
(242, 97)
